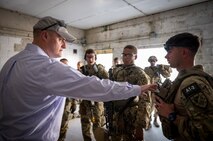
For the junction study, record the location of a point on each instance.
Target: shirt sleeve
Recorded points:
(65, 81)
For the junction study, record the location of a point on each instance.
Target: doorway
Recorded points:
(105, 58)
(160, 53)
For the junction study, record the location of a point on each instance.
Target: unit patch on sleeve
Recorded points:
(193, 92)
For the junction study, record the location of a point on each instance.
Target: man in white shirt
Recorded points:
(33, 86)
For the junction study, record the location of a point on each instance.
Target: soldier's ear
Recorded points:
(136, 56)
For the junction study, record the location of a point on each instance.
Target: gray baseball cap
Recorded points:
(50, 23)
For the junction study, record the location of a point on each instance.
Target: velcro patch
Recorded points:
(191, 90)
(199, 100)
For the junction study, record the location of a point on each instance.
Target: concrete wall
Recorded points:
(145, 32)
(152, 31)
(16, 32)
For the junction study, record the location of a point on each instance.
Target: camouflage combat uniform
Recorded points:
(69, 109)
(132, 115)
(90, 111)
(111, 71)
(193, 102)
(154, 73)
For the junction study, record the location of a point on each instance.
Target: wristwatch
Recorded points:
(172, 116)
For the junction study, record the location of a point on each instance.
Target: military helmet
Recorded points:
(152, 58)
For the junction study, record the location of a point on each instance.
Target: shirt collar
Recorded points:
(35, 48)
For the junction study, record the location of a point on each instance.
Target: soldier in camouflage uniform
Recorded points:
(186, 111)
(92, 113)
(69, 109)
(116, 63)
(155, 71)
(132, 115)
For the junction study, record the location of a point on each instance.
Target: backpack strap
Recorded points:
(187, 73)
(169, 90)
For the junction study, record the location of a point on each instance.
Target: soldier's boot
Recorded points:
(149, 126)
(156, 123)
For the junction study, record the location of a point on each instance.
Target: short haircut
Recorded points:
(132, 48)
(186, 40)
(89, 51)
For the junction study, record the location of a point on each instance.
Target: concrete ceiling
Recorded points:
(86, 14)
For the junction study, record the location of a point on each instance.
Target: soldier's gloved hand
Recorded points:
(160, 66)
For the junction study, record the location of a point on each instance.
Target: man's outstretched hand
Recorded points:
(148, 87)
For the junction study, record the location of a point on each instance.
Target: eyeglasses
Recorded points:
(127, 54)
(90, 56)
(60, 23)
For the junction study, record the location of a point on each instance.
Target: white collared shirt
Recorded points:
(32, 91)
